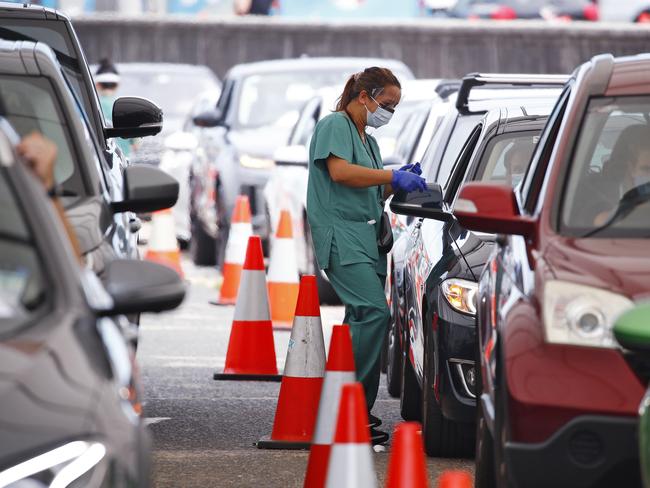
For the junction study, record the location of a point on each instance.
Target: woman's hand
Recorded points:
(413, 168)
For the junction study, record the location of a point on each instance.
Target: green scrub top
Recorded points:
(349, 215)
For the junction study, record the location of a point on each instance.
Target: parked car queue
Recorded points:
(68, 314)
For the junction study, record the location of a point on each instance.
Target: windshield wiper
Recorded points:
(631, 199)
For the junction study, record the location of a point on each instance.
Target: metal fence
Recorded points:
(431, 48)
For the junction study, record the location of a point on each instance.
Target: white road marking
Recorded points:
(155, 420)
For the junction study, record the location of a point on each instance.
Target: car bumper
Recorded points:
(594, 451)
(457, 339)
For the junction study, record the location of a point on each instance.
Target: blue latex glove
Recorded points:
(413, 168)
(407, 181)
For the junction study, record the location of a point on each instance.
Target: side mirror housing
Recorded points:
(147, 189)
(632, 329)
(490, 208)
(135, 117)
(209, 118)
(427, 204)
(141, 286)
(291, 156)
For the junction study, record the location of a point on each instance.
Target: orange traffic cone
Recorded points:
(251, 350)
(351, 464)
(455, 479)
(295, 415)
(163, 247)
(407, 466)
(283, 274)
(241, 229)
(339, 371)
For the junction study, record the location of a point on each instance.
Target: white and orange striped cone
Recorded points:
(339, 371)
(163, 246)
(251, 349)
(351, 464)
(302, 382)
(283, 274)
(241, 229)
(407, 466)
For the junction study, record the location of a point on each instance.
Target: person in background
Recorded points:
(516, 161)
(345, 193)
(253, 7)
(107, 79)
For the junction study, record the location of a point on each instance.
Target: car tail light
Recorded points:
(503, 13)
(581, 315)
(643, 18)
(590, 12)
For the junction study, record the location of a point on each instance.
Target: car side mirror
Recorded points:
(296, 155)
(135, 117)
(427, 204)
(141, 286)
(209, 118)
(493, 209)
(632, 329)
(147, 189)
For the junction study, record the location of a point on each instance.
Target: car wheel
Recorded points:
(410, 394)
(394, 351)
(442, 437)
(202, 246)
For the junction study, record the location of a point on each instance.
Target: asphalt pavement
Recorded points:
(204, 430)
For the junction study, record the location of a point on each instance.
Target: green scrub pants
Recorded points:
(361, 290)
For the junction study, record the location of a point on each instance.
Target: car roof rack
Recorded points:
(447, 87)
(498, 80)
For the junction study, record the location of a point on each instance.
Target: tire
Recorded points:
(442, 437)
(394, 352)
(410, 394)
(202, 246)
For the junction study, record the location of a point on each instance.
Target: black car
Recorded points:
(132, 117)
(70, 391)
(34, 96)
(434, 335)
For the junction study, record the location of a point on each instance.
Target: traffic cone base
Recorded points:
(171, 259)
(251, 349)
(283, 298)
(300, 392)
(231, 275)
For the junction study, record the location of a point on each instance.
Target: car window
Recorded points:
(460, 134)
(30, 104)
(536, 171)
(291, 90)
(462, 164)
(507, 157)
(23, 292)
(406, 141)
(607, 190)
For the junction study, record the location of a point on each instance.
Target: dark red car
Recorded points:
(558, 400)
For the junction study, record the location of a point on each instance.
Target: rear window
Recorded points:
(23, 292)
(607, 193)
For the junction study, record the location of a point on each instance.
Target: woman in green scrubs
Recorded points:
(347, 186)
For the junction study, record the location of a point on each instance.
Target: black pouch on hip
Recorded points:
(385, 236)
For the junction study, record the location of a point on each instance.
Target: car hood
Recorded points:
(259, 142)
(619, 265)
(48, 392)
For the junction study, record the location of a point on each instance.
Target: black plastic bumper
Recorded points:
(589, 451)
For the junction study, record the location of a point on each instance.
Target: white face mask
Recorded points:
(379, 117)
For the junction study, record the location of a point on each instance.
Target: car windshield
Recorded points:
(507, 157)
(173, 91)
(22, 286)
(608, 188)
(30, 105)
(290, 91)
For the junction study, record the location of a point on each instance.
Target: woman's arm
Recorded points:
(357, 176)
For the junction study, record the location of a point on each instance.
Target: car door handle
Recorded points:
(135, 224)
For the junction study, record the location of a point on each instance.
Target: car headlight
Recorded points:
(58, 468)
(256, 163)
(460, 294)
(581, 315)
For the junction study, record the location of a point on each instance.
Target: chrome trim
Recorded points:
(459, 368)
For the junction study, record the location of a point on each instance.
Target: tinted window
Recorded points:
(22, 286)
(507, 157)
(608, 187)
(461, 132)
(29, 104)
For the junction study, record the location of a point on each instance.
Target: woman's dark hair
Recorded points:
(372, 80)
